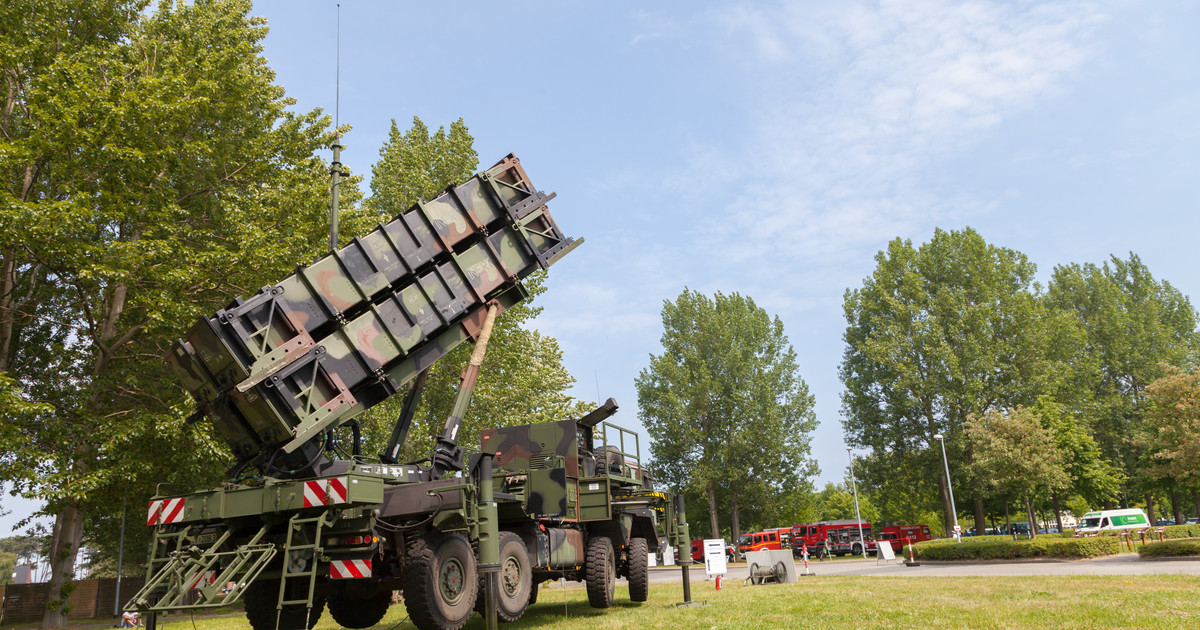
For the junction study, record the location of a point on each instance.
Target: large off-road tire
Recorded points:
(600, 572)
(440, 581)
(515, 580)
(353, 611)
(639, 570)
(262, 598)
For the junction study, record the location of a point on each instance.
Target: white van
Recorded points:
(1106, 520)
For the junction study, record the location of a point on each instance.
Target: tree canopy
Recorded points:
(152, 169)
(1014, 454)
(1135, 326)
(936, 334)
(729, 416)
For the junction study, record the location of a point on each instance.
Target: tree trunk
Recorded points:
(980, 515)
(1177, 508)
(1057, 512)
(712, 508)
(735, 525)
(68, 525)
(8, 287)
(1150, 507)
(1033, 526)
(1008, 520)
(947, 507)
(64, 547)
(1196, 502)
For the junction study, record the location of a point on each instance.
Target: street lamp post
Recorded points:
(854, 486)
(953, 509)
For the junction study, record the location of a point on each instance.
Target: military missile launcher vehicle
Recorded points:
(294, 530)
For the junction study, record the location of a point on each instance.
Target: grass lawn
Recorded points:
(1160, 601)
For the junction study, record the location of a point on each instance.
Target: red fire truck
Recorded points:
(900, 535)
(775, 538)
(838, 537)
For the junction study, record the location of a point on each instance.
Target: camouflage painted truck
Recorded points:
(296, 529)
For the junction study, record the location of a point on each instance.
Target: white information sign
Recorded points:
(714, 557)
(884, 548)
(668, 553)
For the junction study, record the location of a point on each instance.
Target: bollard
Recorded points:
(912, 562)
(718, 582)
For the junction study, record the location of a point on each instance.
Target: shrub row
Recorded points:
(1171, 548)
(1005, 548)
(1172, 531)
(1179, 531)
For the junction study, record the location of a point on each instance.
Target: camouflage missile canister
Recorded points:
(345, 333)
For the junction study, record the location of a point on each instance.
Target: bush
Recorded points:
(1171, 548)
(1178, 531)
(1172, 531)
(1005, 548)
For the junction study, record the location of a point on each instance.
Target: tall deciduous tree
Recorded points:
(728, 413)
(151, 170)
(1170, 436)
(936, 335)
(1134, 325)
(1013, 452)
(523, 379)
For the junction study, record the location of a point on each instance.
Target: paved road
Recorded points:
(1122, 564)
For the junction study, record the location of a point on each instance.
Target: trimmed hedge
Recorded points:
(1172, 531)
(1178, 531)
(1005, 548)
(1171, 548)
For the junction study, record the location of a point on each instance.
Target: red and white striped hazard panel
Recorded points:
(329, 491)
(163, 511)
(202, 578)
(347, 569)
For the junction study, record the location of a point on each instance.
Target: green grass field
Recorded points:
(1168, 601)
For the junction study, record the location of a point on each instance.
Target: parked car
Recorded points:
(1021, 528)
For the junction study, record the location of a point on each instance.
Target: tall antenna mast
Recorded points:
(335, 167)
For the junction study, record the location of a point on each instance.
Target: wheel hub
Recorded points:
(511, 576)
(451, 582)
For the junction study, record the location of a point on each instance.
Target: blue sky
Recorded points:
(772, 148)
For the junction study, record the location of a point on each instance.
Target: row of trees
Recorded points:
(152, 170)
(1069, 397)
(1043, 394)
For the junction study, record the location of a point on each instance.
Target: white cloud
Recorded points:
(855, 102)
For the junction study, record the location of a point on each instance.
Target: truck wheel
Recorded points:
(262, 600)
(856, 550)
(601, 572)
(358, 612)
(515, 580)
(440, 581)
(639, 570)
